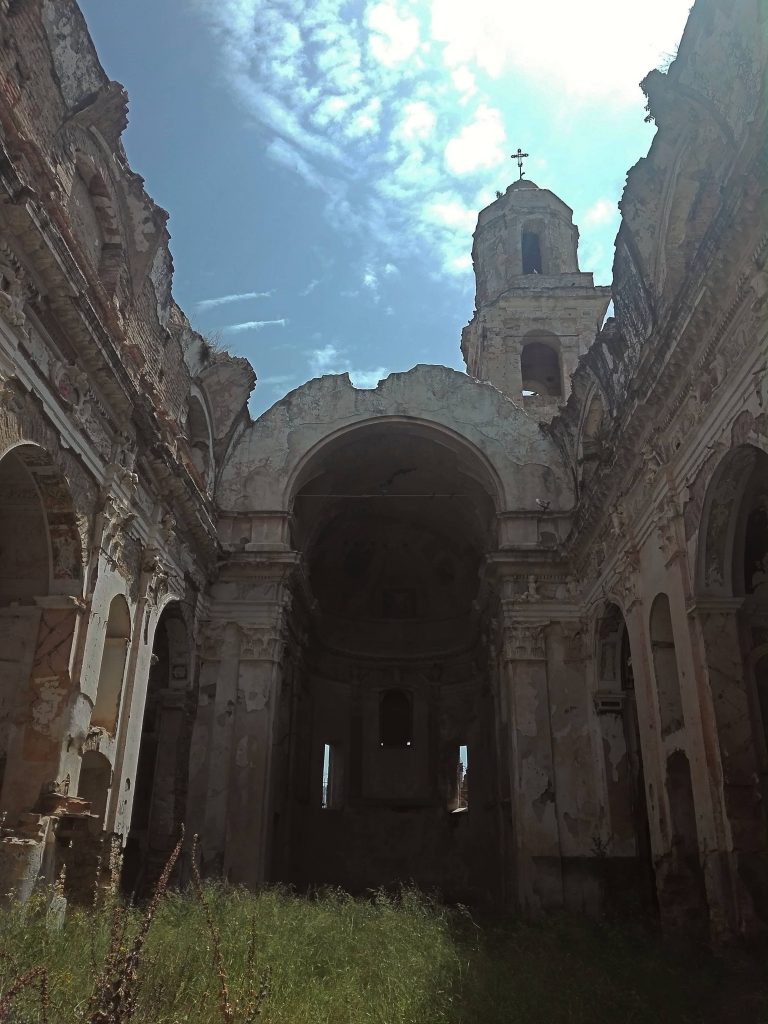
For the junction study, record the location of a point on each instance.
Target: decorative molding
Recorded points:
(525, 642)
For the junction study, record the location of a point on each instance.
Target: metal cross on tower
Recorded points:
(520, 156)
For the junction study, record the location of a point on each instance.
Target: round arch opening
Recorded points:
(393, 520)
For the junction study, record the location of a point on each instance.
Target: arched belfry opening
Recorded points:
(393, 521)
(540, 368)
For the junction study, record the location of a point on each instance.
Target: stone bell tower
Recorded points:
(536, 312)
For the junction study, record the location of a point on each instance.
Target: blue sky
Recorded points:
(323, 161)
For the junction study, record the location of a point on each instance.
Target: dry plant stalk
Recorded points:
(227, 1012)
(114, 998)
(38, 975)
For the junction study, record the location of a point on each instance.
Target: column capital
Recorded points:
(525, 641)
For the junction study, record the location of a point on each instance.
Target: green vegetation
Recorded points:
(331, 959)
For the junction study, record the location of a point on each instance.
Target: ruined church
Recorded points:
(503, 633)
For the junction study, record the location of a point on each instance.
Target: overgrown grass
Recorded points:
(331, 959)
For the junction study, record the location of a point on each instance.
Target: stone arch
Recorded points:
(719, 570)
(732, 602)
(160, 787)
(627, 808)
(541, 365)
(40, 581)
(112, 669)
(199, 433)
(393, 525)
(475, 461)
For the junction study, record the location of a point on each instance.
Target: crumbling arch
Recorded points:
(197, 428)
(540, 365)
(472, 461)
(41, 570)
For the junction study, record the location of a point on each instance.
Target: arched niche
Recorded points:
(665, 668)
(540, 365)
(393, 521)
(112, 670)
(40, 572)
(159, 798)
(95, 782)
(197, 428)
(622, 759)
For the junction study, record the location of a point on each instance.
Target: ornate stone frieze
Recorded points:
(261, 643)
(525, 641)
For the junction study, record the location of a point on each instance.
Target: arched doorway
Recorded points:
(630, 876)
(391, 690)
(40, 570)
(732, 594)
(160, 789)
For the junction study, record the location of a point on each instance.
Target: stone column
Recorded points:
(249, 824)
(249, 611)
(531, 765)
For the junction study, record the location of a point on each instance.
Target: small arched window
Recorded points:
(540, 370)
(531, 253)
(395, 719)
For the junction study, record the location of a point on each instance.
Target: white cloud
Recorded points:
(254, 325)
(223, 300)
(326, 359)
(330, 359)
(310, 288)
(597, 48)
(601, 212)
(418, 121)
(384, 105)
(367, 378)
(478, 144)
(394, 37)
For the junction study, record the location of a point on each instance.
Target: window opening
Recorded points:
(462, 779)
(395, 719)
(531, 253)
(331, 795)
